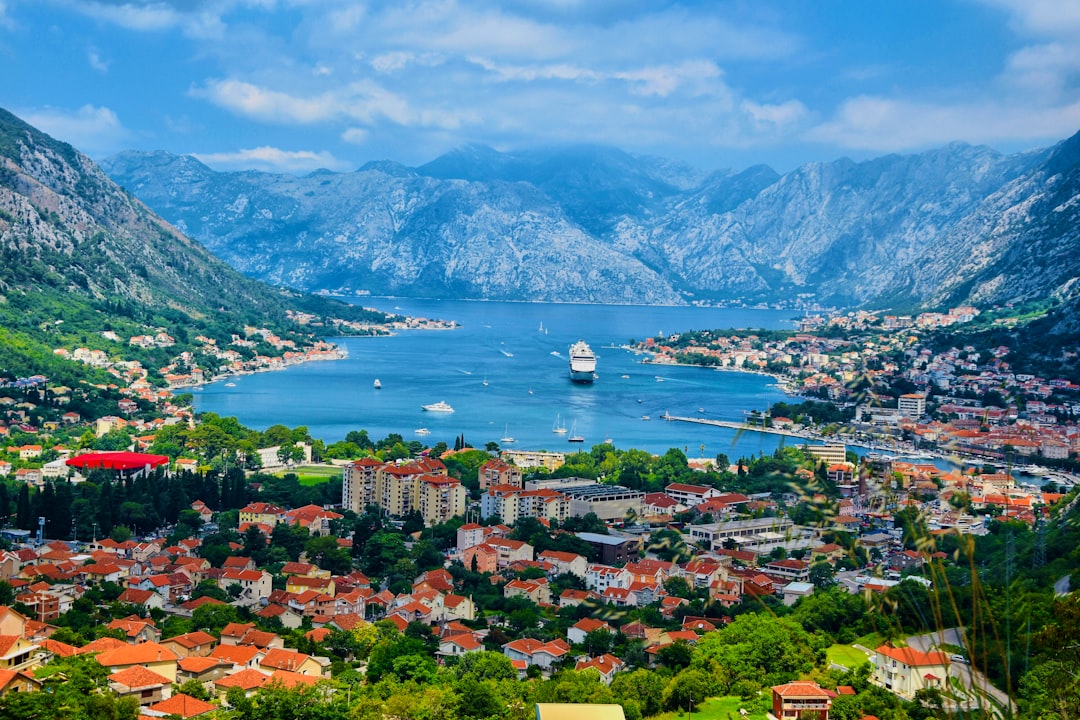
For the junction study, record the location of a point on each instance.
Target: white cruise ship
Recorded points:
(582, 363)
(441, 406)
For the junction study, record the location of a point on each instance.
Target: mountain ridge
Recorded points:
(596, 224)
(80, 257)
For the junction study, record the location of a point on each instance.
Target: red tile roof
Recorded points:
(183, 705)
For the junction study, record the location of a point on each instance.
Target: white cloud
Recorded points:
(96, 62)
(355, 136)
(158, 15)
(780, 117)
(93, 130)
(363, 101)
(273, 159)
(5, 21)
(885, 124)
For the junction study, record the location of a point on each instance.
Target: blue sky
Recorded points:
(294, 85)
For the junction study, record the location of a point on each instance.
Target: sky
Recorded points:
(297, 85)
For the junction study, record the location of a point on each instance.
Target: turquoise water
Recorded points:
(527, 385)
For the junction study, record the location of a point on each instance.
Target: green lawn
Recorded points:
(720, 708)
(312, 474)
(847, 656)
(875, 640)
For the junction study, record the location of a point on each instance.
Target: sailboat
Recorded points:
(558, 428)
(506, 435)
(574, 437)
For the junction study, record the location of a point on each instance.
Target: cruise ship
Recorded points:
(441, 406)
(582, 363)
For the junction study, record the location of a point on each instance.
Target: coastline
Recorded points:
(783, 383)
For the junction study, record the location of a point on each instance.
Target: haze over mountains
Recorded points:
(952, 225)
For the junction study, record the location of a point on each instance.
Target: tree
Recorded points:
(686, 689)
(676, 656)
(486, 665)
(327, 554)
(598, 642)
(821, 575)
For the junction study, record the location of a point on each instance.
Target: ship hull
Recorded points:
(582, 363)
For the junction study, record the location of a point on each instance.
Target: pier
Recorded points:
(733, 425)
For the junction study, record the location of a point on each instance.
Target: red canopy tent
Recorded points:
(118, 461)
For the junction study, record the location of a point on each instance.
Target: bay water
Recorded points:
(505, 373)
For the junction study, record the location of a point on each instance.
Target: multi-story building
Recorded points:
(912, 405)
(400, 488)
(799, 700)
(904, 671)
(510, 503)
(261, 513)
(498, 472)
(441, 498)
(358, 484)
(534, 459)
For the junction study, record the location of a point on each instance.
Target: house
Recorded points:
(17, 653)
(282, 659)
(146, 685)
(509, 551)
(469, 535)
(136, 629)
(458, 645)
(459, 607)
(153, 656)
(690, 495)
(565, 562)
(192, 644)
(599, 578)
(535, 590)
(534, 652)
(239, 656)
(607, 665)
(201, 669)
(904, 671)
(254, 584)
(570, 597)
(800, 700)
(147, 599)
(248, 680)
(482, 558)
(576, 633)
(182, 706)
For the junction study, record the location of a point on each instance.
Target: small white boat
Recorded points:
(442, 406)
(422, 431)
(646, 417)
(485, 382)
(659, 379)
(625, 377)
(377, 384)
(230, 384)
(558, 428)
(506, 438)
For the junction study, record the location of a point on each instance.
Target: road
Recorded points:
(968, 676)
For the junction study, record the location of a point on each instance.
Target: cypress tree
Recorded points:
(23, 518)
(5, 504)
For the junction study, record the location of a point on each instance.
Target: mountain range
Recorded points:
(957, 224)
(79, 256)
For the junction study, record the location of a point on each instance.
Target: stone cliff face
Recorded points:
(951, 225)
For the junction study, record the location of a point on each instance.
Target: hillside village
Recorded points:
(225, 590)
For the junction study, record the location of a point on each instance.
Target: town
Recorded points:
(197, 568)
